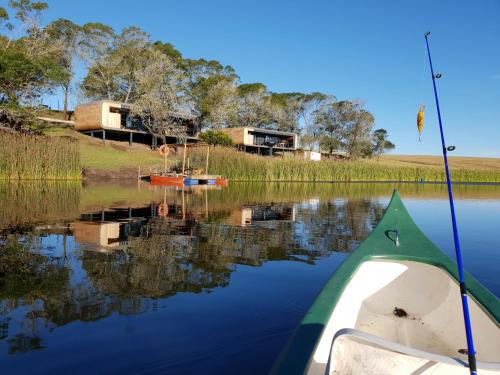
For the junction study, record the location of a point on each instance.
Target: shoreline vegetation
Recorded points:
(63, 154)
(35, 157)
(156, 82)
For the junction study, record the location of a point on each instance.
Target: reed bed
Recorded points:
(239, 166)
(32, 157)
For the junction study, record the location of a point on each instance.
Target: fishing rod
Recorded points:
(471, 353)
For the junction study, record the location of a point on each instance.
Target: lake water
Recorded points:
(140, 279)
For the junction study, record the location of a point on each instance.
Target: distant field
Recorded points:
(459, 162)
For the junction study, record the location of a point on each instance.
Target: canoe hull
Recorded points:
(397, 266)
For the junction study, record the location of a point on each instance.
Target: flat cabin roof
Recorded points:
(182, 115)
(267, 131)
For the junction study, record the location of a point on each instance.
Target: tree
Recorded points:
(216, 137)
(29, 64)
(218, 105)
(355, 124)
(328, 129)
(381, 143)
(285, 109)
(252, 106)
(94, 50)
(200, 77)
(115, 61)
(313, 106)
(159, 97)
(67, 34)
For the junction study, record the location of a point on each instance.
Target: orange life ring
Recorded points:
(163, 209)
(164, 150)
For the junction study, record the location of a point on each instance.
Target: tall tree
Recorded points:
(313, 106)
(286, 108)
(381, 143)
(356, 124)
(67, 34)
(218, 105)
(95, 48)
(29, 64)
(159, 97)
(328, 129)
(253, 108)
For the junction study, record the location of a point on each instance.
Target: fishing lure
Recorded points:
(420, 121)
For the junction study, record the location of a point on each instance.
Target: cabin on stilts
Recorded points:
(112, 120)
(263, 141)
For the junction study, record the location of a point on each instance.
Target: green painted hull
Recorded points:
(414, 246)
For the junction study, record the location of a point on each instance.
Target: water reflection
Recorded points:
(71, 254)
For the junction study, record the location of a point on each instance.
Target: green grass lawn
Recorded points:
(111, 155)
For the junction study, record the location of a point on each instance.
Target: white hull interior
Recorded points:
(434, 323)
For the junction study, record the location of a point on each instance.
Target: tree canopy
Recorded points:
(157, 81)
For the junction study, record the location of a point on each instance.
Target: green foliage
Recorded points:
(18, 118)
(24, 156)
(168, 49)
(21, 75)
(216, 137)
(251, 88)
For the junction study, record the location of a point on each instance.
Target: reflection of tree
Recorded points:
(32, 280)
(337, 225)
(167, 255)
(22, 343)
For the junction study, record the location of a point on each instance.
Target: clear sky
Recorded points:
(369, 50)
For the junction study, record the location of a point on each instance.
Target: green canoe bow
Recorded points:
(380, 244)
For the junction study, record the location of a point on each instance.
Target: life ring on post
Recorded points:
(164, 150)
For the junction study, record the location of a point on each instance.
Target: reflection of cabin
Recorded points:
(262, 140)
(100, 234)
(252, 215)
(113, 120)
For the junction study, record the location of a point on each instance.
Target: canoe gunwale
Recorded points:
(414, 246)
(403, 349)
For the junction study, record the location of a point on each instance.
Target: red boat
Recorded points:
(167, 180)
(221, 181)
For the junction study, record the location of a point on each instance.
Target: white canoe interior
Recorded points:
(426, 341)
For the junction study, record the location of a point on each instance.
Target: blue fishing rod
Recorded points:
(463, 289)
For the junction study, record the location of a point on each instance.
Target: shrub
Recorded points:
(216, 137)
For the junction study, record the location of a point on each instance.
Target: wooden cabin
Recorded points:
(113, 120)
(262, 140)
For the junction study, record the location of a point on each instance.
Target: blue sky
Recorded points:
(369, 50)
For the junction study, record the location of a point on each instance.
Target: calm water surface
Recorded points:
(132, 278)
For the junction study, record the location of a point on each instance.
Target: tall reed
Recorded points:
(24, 157)
(247, 167)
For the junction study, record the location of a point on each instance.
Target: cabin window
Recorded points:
(124, 115)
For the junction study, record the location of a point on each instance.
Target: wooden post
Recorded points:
(183, 205)
(206, 203)
(165, 163)
(104, 136)
(188, 164)
(184, 159)
(130, 139)
(206, 162)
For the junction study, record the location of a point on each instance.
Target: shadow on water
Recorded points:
(71, 253)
